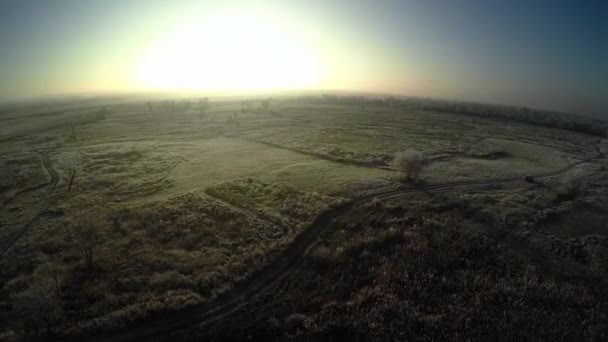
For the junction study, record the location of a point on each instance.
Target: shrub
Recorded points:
(570, 186)
(295, 321)
(410, 162)
(170, 280)
(38, 307)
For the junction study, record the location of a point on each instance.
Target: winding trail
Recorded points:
(48, 166)
(161, 326)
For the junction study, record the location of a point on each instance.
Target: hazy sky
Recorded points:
(548, 54)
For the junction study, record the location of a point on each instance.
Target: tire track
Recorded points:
(48, 166)
(162, 326)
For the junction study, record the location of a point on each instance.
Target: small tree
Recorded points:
(390, 101)
(266, 103)
(101, 113)
(410, 162)
(70, 163)
(203, 104)
(85, 235)
(73, 133)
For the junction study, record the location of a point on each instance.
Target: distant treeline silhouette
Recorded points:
(540, 117)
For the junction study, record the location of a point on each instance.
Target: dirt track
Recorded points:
(159, 327)
(48, 166)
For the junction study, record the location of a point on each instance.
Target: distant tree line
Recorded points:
(546, 118)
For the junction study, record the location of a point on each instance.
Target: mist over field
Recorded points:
(303, 171)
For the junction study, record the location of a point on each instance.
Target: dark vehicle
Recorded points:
(529, 179)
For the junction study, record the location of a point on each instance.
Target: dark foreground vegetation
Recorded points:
(413, 271)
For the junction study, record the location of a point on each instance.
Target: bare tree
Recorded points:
(390, 101)
(203, 104)
(266, 103)
(73, 133)
(85, 235)
(70, 163)
(101, 113)
(410, 162)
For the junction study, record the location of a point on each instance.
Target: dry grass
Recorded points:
(428, 279)
(163, 255)
(188, 204)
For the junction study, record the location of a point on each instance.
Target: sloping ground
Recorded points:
(521, 158)
(245, 292)
(426, 280)
(584, 220)
(213, 161)
(451, 158)
(160, 256)
(11, 235)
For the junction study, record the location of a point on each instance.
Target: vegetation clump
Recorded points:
(571, 186)
(410, 162)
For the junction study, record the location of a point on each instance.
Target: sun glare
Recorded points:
(229, 52)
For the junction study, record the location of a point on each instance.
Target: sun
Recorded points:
(229, 51)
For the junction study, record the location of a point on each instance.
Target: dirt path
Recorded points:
(48, 166)
(159, 327)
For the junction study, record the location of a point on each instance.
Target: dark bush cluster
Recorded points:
(429, 280)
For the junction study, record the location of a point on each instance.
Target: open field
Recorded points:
(117, 213)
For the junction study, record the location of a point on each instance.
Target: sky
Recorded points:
(544, 54)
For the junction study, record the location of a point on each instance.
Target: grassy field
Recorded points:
(113, 212)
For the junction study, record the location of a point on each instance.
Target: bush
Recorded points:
(295, 321)
(410, 162)
(571, 186)
(38, 307)
(170, 280)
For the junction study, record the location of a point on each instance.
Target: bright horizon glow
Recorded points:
(229, 51)
(546, 54)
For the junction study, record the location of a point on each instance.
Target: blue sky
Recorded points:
(548, 54)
